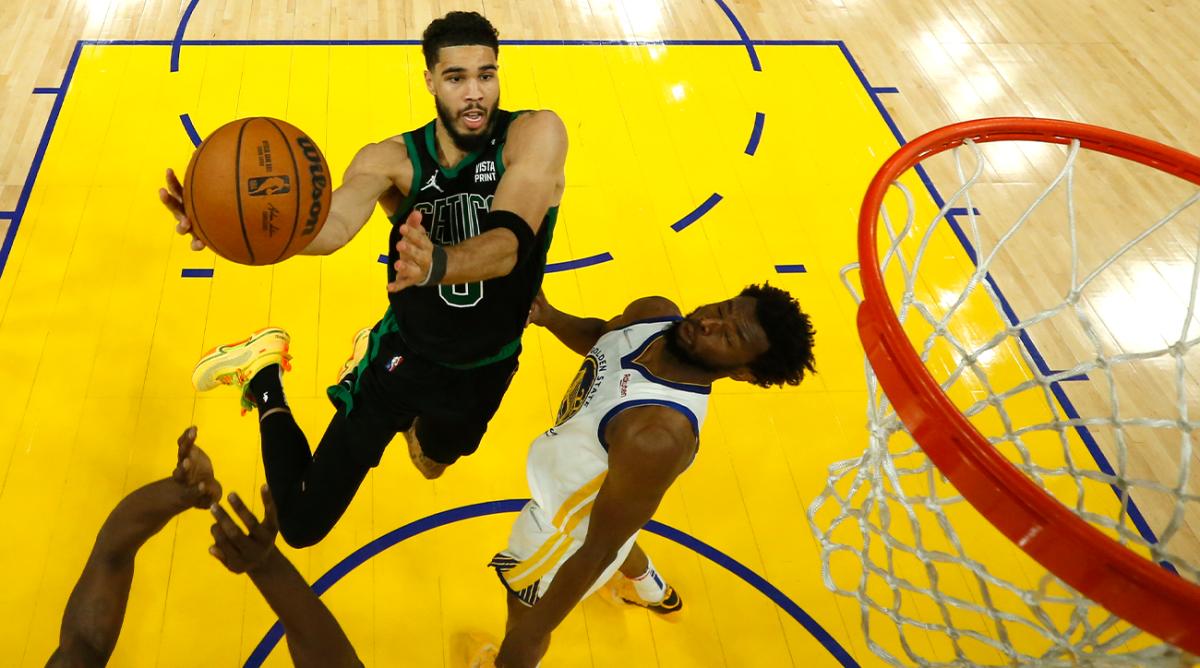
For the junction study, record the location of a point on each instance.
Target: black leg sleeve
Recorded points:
(312, 492)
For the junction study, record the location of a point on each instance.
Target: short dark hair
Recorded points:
(789, 333)
(458, 29)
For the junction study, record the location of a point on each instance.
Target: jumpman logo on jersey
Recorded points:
(432, 183)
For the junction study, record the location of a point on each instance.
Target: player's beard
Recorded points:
(467, 143)
(675, 347)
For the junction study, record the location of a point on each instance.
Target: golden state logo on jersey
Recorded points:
(581, 389)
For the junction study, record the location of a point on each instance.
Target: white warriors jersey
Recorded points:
(567, 464)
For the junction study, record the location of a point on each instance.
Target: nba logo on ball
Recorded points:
(394, 362)
(258, 186)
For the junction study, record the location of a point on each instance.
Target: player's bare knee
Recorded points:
(429, 468)
(415, 451)
(432, 474)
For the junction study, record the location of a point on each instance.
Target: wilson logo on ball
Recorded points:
(261, 186)
(246, 191)
(316, 170)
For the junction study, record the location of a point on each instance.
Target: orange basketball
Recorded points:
(257, 191)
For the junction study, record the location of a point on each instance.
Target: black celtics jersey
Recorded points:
(474, 323)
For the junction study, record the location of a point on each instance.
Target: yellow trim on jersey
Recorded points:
(535, 567)
(576, 506)
(534, 559)
(589, 488)
(518, 572)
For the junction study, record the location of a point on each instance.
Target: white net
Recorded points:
(1091, 392)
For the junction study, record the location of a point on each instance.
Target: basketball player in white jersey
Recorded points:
(628, 426)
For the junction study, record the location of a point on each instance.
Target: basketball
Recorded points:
(257, 191)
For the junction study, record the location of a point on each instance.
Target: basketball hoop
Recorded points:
(1102, 569)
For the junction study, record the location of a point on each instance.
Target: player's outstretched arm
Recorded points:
(375, 170)
(648, 448)
(581, 334)
(578, 334)
(314, 637)
(535, 157)
(96, 608)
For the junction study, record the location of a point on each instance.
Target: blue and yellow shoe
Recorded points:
(236, 363)
(621, 589)
(361, 341)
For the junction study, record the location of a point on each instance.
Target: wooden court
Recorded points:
(713, 144)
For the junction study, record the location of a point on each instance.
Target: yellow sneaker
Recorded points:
(236, 363)
(485, 653)
(361, 341)
(621, 590)
(472, 649)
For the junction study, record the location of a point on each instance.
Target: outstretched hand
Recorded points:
(194, 470)
(172, 198)
(416, 254)
(539, 310)
(244, 551)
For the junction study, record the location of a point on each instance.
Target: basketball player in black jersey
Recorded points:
(472, 197)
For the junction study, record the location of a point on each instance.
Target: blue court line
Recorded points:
(580, 263)
(197, 273)
(791, 269)
(35, 166)
(952, 216)
(177, 43)
(1069, 379)
(618, 42)
(382, 259)
(503, 42)
(190, 129)
(38, 156)
(7, 215)
(1038, 360)
(760, 583)
(737, 25)
(756, 134)
(1135, 513)
(697, 214)
(47, 91)
(880, 90)
(373, 548)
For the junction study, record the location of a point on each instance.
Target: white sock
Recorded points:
(649, 585)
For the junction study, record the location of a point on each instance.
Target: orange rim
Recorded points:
(1114, 576)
